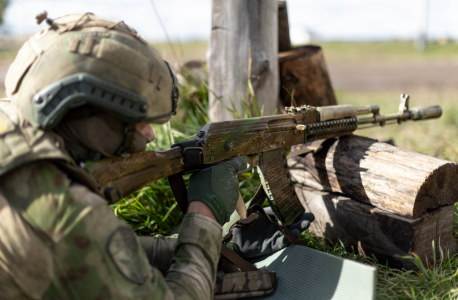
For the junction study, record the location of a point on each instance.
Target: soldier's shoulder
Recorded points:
(47, 198)
(21, 143)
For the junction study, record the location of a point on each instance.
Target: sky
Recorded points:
(191, 20)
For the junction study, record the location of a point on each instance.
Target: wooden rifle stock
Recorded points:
(129, 174)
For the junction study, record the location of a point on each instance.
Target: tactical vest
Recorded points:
(22, 143)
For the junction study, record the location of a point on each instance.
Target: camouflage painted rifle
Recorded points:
(263, 141)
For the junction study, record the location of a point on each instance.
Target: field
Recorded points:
(361, 73)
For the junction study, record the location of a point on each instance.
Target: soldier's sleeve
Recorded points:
(191, 252)
(120, 266)
(85, 252)
(159, 249)
(193, 270)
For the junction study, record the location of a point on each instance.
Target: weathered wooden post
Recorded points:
(243, 31)
(284, 41)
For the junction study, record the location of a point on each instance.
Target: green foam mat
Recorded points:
(305, 273)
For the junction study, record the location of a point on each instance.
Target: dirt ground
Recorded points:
(362, 76)
(393, 75)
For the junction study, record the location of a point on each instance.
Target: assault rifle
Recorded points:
(262, 140)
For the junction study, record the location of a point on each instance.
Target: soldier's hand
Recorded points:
(217, 187)
(263, 237)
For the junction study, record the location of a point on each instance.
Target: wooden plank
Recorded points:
(304, 77)
(397, 180)
(284, 42)
(373, 231)
(243, 31)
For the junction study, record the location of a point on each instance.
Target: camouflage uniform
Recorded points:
(58, 237)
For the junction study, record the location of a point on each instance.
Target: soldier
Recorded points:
(83, 88)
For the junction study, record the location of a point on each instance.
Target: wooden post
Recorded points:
(378, 198)
(304, 77)
(284, 42)
(243, 31)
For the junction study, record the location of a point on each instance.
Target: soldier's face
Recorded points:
(146, 130)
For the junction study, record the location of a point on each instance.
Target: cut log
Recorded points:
(304, 78)
(284, 42)
(375, 232)
(243, 31)
(399, 181)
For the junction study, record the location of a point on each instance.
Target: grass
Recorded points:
(385, 52)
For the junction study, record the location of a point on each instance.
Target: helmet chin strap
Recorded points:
(126, 145)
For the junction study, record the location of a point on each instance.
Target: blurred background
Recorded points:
(374, 50)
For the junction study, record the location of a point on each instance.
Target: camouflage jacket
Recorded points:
(60, 240)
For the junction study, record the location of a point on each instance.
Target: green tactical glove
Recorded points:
(218, 187)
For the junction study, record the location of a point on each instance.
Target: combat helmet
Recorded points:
(87, 60)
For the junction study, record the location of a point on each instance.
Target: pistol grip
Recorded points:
(279, 188)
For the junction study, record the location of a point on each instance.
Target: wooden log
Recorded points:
(284, 41)
(400, 181)
(243, 31)
(374, 232)
(304, 78)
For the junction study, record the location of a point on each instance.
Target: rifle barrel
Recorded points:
(415, 113)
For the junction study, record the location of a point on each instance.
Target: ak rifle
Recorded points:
(262, 140)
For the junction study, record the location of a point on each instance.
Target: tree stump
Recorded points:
(378, 198)
(243, 45)
(304, 78)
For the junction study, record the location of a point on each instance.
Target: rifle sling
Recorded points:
(234, 258)
(259, 197)
(192, 153)
(178, 187)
